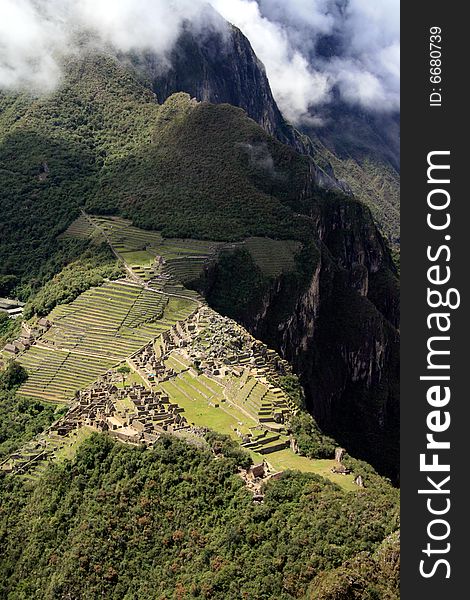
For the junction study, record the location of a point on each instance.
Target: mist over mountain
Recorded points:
(199, 238)
(309, 47)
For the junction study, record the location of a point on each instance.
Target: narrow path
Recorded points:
(135, 278)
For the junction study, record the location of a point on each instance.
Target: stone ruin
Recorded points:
(135, 414)
(215, 345)
(222, 345)
(256, 477)
(27, 338)
(339, 467)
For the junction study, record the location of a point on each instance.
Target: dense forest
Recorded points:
(177, 522)
(20, 418)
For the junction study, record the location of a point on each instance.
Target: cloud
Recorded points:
(260, 157)
(360, 54)
(29, 43)
(295, 85)
(309, 47)
(36, 34)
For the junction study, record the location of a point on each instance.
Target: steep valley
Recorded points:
(200, 396)
(344, 272)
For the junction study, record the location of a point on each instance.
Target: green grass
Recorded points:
(286, 459)
(56, 375)
(138, 257)
(178, 309)
(273, 257)
(80, 228)
(198, 411)
(71, 444)
(125, 405)
(196, 393)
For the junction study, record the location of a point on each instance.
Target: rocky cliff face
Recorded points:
(340, 333)
(364, 150)
(336, 321)
(339, 328)
(219, 66)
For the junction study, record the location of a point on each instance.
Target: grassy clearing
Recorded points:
(138, 257)
(69, 448)
(198, 411)
(198, 395)
(99, 329)
(227, 419)
(273, 257)
(286, 459)
(125, 405)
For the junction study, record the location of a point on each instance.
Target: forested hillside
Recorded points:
(102, 141)
(201, 292)
(173, 522)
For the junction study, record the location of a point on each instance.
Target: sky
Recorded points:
(291, 37)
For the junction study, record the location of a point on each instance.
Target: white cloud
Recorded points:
(35, 33)
(28, 46)
(284, 33)
(295, 85)
(366, 68)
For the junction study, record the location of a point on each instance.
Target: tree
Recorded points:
(7, 283)
(123, 370)
(13, 376)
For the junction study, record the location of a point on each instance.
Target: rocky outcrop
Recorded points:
(219, 68)
(343, 343)
(338, 328)
(219, 65)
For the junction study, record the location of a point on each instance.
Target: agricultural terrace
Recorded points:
(273, 257)
(183, 259)
(82, 229)
(33, 458)
(139, 249)
(99, 329)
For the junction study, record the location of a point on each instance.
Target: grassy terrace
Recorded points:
(209, 402)
(57, 448)
(260, 400)
(186, 269)
(139, 249)
(99, 329)
(56, 375)
(273, 257)
(81, 228)
(114, 320)
(204, 405)
(184, 258)
(124, 236)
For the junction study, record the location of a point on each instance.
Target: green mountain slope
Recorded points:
(351, 145)
(173, 522)
(103, 142)
(303, 268)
